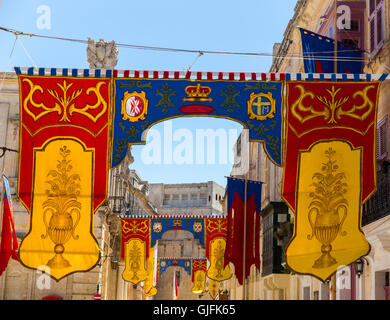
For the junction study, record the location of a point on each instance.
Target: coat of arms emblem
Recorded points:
(134, 106)
(261, 106)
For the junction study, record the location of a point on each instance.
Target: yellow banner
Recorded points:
(199, 282)
(63, 210)
(327, 227)
(216, 270)
(135, 261)
(213, 288)
(149, 289)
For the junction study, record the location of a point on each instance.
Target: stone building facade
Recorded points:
(188, 199)
(126, 192)
(370, 30)
(370, 23)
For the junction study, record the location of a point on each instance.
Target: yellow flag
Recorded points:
(149, 289)
(327, 226)
(213, 288)
(216, 270)
(135, 257)
(60, 202)
(199, 282)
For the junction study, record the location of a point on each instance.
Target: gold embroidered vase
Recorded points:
(329, 207)
(62, 204)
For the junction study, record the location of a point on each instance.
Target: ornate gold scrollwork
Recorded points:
(333, 108)
(65, 104)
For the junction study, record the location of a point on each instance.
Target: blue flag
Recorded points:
(318, 55)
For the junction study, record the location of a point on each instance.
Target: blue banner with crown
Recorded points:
(142, 102)
(160, 225)
(164, 263)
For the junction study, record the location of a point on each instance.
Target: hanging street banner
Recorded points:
(143, 102)
(216, 233)
(135, 250)
(164, 263)
(213, 287)
(199, 267)
(149, 288)
(8, 239)
(63, 166)
(329, 172)
(162, 224)
(243, 242)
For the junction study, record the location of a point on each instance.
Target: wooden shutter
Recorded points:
(379, 25)
(382, 139)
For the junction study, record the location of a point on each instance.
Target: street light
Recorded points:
(359, 266)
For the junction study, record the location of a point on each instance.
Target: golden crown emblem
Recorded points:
(197, 93)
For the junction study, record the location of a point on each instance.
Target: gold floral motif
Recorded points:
(134, 256)
(328, 203)
(135, 227)
(65, 104)
(218, 254)
(333, 107)
(63, 206)
(135, 262)
(217, 270)
(218, 225)
(213, 288)
(199, 282)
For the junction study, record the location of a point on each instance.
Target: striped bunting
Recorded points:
(194, 75)
(133, 216)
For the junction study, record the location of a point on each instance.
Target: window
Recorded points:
(354, 25)
(194, 196)
(381, 139)
(203, 198)
(376, 23)
(325, 291)
(175, 197)
(239, 146)
(354, 43)
(167, 197)
(184, 197)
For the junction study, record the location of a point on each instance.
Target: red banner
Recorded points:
(238, 231)
(135, 228)
(198, 265)
(330, 110)
(215, 228)
(63, 165)
(329, 172)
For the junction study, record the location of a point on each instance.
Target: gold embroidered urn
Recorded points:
(328, 210)
(63, 208)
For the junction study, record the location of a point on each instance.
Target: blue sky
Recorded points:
(236, 26)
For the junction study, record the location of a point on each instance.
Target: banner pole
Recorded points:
(2, 193)
(244, 244)
(335, 36)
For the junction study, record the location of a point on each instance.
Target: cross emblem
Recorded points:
(263, 107)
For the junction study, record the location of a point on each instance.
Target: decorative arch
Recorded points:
(147, 99)
(161, 224)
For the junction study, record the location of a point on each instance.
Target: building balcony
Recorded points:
(277, 231)
(378, 206)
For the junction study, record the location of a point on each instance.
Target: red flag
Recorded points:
(235, 248)
(175, 293)
(9, 242)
